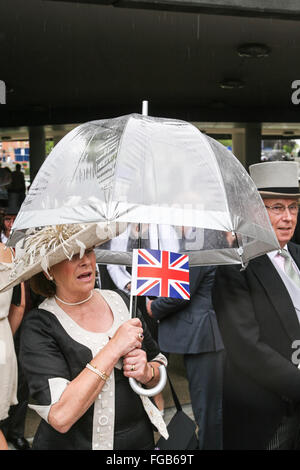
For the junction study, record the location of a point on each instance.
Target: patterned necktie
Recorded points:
(288, 267)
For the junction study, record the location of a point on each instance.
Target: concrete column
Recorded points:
(37, 144)
(252, 143)
(238, 146)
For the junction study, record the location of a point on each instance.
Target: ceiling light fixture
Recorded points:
(231, 84)
(255, 51)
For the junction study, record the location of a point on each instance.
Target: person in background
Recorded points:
(189, 327)
(14, 426)
(7, 222)
(17, 188)
(258, 311)
(5, 180)
(10, 319)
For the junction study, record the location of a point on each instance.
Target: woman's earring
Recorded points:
(50, 277)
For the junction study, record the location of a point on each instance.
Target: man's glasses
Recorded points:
(279, 209)
(9, 219)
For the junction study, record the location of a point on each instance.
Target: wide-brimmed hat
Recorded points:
(276, 179)
(44, 247)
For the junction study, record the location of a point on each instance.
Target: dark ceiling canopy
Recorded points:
(72, 61)
(288, 9)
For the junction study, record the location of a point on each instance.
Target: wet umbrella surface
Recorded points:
(177, 188)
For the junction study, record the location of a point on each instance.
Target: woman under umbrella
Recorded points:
(79, 347)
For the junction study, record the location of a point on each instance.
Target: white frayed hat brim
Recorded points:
(26, 265)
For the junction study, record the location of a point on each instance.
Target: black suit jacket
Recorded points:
(258, 324)
(189, 326)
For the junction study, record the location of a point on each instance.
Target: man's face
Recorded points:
(283, 215)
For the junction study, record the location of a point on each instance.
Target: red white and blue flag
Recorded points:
(160, 274)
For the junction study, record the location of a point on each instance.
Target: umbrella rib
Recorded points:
(210, 150)
(79, 160)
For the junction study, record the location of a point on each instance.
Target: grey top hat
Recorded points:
(276, 178)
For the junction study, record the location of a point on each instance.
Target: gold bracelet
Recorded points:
(101, 374)
(153, 374)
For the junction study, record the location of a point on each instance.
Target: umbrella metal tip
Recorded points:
(145, 108)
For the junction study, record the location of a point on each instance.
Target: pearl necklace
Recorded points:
(75, 303)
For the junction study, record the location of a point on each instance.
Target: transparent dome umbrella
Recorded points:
(143, 170)
(162, 184)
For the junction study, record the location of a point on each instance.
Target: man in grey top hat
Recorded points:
(258, 311)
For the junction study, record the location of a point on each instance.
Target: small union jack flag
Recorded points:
(160, 274)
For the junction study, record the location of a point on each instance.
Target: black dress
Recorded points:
(54, 350)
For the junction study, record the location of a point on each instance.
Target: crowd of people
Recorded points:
(77, 345)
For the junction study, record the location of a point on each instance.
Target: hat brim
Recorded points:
(91, 235)
(281, 195)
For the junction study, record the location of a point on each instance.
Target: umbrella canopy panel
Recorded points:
(161, 176)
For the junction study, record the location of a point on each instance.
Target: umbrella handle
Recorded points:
(150, 392)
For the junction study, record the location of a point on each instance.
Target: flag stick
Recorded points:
(133, 301)
(130, 305)
(162, 370)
